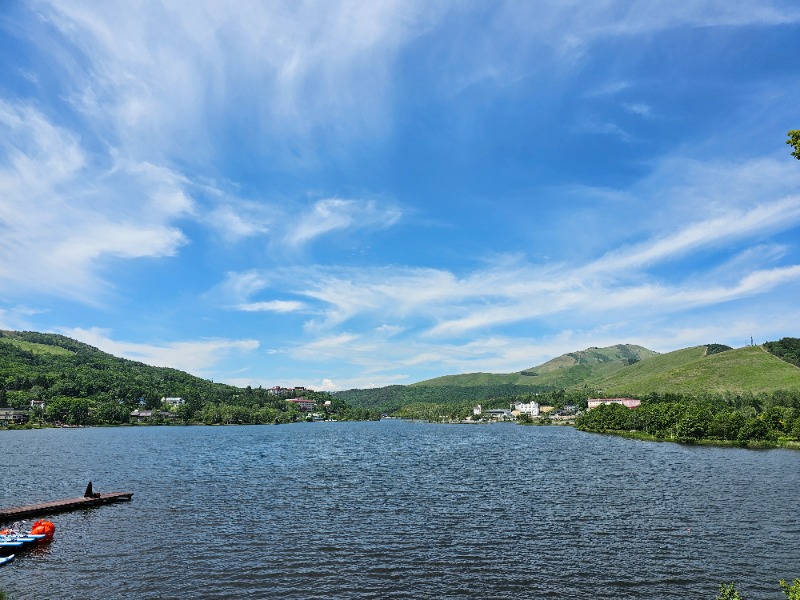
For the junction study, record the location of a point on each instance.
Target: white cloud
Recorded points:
(18, 318)
(61, 213)
(732, 224)
(159, 72)
(278, 306)
(240, 219)
(638, 108)
(239, 287)
(334, 213)
(441, 304)
(195, 357)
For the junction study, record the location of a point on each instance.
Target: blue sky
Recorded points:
(347, 194)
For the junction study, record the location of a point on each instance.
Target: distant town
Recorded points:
(314, 410)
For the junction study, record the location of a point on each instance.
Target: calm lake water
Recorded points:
(401, 510)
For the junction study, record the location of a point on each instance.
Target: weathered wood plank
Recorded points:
(47, 508)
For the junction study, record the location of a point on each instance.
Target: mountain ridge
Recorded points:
(561, 371)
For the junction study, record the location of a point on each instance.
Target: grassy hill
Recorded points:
(33, 347)
(616, 370)
(634, 370)
(574, 368)
(693, 371)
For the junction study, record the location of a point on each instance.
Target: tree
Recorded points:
(755, 429)
(726, 425)
(792, 591)
(794, 142)
(728, 592)
(694, 424)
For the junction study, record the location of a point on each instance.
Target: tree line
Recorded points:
(744, 419)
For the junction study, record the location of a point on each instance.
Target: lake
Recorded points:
(396, 509)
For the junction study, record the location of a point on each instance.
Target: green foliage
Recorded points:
(794, 142)
(787, 349)
(742, 419)
(792, 591)
(81, 385)
(716, 349)
(728, 592)
(394, 398)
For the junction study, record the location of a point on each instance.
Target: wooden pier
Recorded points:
(9, 515)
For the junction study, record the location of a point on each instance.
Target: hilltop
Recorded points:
(564, 371)
(694, 371)
(623, 369)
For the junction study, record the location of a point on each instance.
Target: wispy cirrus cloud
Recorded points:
(157, 79)
(732, 224)
(629, 281)
(334, 214)
(277, 306)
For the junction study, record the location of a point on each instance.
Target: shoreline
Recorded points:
(751, 445)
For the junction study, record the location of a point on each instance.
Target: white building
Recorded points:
(174, 401)
(528, 408)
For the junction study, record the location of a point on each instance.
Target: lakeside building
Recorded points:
(626, 402)
(142, 416)
(499, 413)
(527, 408)
(173, 401)
(303, 404)
(12, 416)
(477, 410)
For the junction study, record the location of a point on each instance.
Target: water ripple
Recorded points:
(402, 510)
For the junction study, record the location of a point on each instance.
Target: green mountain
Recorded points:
(80, 384)
(46, 366)
(694, 371)
(613, 371)
(567, 370)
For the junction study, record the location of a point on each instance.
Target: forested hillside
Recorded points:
(80, 384)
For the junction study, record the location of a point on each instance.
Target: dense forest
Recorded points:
(81, 385)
